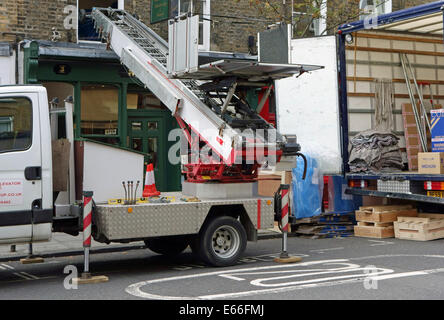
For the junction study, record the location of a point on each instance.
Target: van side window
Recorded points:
(15, 124)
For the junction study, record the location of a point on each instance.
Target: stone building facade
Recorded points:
(231, 22)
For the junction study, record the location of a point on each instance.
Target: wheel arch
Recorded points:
(236, 211)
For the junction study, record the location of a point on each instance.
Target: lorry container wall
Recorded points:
(308, 106)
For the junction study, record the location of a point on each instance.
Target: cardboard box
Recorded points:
(437, 130)
(431, 163)
(269, 184)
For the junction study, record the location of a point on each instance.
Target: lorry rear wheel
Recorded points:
(169, 246)
(222, 241)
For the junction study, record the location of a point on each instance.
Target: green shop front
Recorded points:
(110, 105)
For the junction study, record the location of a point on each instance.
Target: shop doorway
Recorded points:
(146, 134)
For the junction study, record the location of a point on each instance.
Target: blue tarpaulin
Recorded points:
(307, 194)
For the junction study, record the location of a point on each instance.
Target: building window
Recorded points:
(205, 26)
(99, 111)
(179, 7)
(85, 27)
(204, 9)
(15, 124)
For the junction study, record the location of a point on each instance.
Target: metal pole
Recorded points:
(421, 99)
(422, 137)
(86, 263)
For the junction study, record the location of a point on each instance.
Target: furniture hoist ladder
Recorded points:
(198, 108)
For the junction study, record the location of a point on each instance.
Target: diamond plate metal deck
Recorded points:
(117, 222)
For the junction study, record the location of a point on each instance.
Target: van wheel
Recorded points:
(168, 246)
(222, 241)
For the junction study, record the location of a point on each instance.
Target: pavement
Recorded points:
(63, 244)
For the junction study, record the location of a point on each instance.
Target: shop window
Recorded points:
(136, 126)
(86, 30)
(99, 110)
(15, 124)
(143, 101)
(152, 125)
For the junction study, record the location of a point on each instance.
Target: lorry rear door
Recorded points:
(20, 163)
(308, 106)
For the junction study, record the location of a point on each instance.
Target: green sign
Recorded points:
(159, 10)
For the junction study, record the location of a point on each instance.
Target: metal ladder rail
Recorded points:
(142, 38)
(420, 95)
(422, 134)
(174, 93)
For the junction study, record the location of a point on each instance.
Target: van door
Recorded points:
(308, 106)
(20, 164)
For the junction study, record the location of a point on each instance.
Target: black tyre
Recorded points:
(169, 246)
(222, 241)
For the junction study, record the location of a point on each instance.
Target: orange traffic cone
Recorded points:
(150, 185)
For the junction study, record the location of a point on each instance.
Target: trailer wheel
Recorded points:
(169, 246)
(222, 241)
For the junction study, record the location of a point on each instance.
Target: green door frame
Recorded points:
(144, 117)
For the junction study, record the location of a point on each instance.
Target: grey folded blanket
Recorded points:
(374, 152)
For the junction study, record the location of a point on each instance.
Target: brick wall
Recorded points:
(402, 4)
(34, 18)
(232, 22)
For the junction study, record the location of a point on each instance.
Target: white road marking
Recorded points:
(398, 255)
(30, 275)
(253, 259)
(380, 243)
(260, 282)
(26, 276)
(329, 249)
(348, 266)
(7, 266)
(231, 277)
(2, 268)
(313, 285)
(22, 276)
(337, 279)
(135, 290)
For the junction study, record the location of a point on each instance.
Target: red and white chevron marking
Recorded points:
(87, 221)
(285, 211)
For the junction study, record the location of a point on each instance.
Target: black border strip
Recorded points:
(20, 218)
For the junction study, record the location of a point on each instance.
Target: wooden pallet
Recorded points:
(374, 232)
(377, 221)
(384, 213)
(375, 224)
(425, 227)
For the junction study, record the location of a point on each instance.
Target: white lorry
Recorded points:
(227, 212)
(339, 102)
